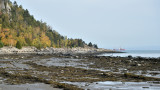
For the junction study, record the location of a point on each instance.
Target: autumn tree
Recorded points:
(36, 42)
(19, 25)
(22, 40)
(45, 40)
(6, 38)
(28, 41)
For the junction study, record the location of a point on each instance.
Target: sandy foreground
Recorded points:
(36, 86)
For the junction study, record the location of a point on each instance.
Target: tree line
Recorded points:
(20, 28)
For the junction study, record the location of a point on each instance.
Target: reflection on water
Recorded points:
(110, 85)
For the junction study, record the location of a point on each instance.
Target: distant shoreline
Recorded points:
(54, 51)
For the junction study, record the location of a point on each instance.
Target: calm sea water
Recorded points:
(135, 53)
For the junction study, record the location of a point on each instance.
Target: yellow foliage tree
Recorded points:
(45, 40)
(7, 38)
(2, 35)
(21, 39)
(9, 41)
(36, 42)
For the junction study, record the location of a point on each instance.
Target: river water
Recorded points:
(136, 53)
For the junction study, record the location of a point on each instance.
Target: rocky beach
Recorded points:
(59, 45)
(78, 72)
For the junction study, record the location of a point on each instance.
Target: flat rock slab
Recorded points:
(37, 86)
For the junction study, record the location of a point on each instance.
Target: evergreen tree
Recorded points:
(19, 45)
(90, 44)
(1, 44)
(95, 46)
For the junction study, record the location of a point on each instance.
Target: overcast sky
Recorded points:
(130, 24)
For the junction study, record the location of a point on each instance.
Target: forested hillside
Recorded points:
(17, 25)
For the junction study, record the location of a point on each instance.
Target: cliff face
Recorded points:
(2, 6)
(5, 6)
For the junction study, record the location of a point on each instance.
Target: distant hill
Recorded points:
(17, 25)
